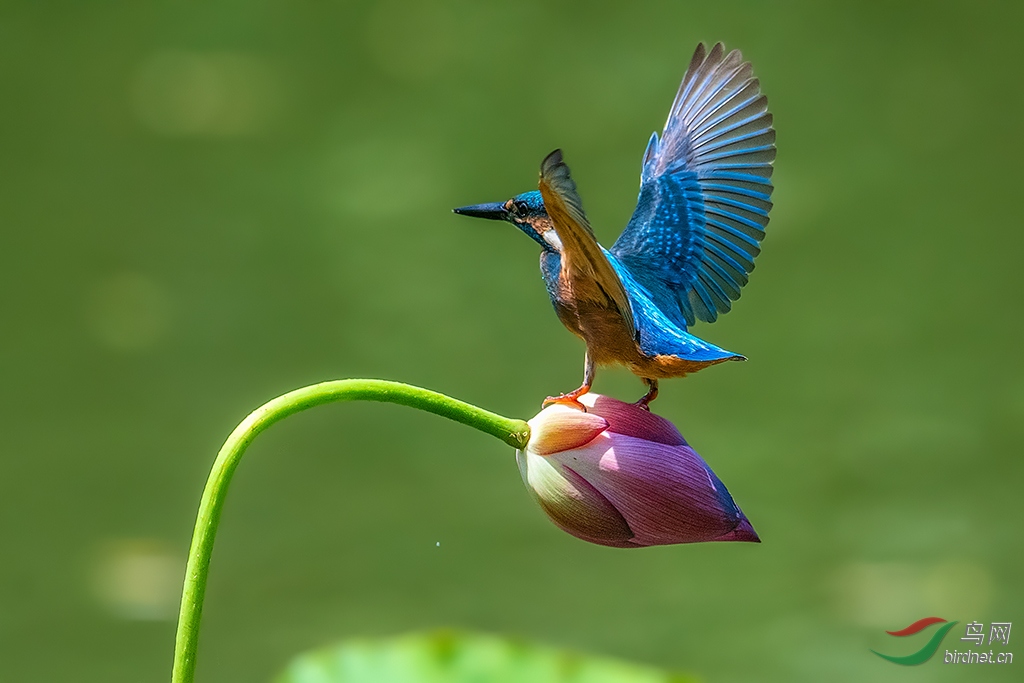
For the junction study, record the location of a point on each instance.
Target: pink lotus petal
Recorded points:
(572, 503)
(632, 420)
(560, 428)
(742, 532)
(666, 494)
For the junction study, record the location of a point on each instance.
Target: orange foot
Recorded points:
(570, 399)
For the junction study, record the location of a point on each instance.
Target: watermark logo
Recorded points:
(974, 632)
(926, 652)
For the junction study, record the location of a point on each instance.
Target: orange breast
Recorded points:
(609, 341)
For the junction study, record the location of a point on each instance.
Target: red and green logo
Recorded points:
(929, 649)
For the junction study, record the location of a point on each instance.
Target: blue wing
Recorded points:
(705, 192)
(656, 334)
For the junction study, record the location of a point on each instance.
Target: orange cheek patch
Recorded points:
(541, 224)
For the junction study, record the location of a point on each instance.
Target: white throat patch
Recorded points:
(551, 237)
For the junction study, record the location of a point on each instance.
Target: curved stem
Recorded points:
(513, 432)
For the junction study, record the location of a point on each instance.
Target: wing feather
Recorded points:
(705, 191)
(583, 261)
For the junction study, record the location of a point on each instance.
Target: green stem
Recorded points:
(513, 432)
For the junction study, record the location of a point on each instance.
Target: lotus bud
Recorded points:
(621, 476)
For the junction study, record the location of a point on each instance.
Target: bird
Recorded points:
(689, 247)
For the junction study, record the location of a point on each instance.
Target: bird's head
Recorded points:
(526, 212)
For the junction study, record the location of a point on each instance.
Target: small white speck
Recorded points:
(438, 544)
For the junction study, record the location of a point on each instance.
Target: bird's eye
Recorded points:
(522, 208)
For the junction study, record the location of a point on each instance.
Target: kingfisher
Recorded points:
(705, 195)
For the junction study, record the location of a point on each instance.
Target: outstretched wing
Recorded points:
(705, 191)
(584, 265)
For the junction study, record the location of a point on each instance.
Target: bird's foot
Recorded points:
(570, 399)
(652, 393)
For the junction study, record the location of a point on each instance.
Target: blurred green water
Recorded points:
(204, 206)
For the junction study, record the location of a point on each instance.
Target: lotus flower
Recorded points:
(618, 475)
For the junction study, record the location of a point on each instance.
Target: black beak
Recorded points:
(496, 211)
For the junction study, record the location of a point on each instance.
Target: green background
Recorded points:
(203, 205)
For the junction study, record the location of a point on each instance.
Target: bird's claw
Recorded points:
(652, 393)
(570, 399)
